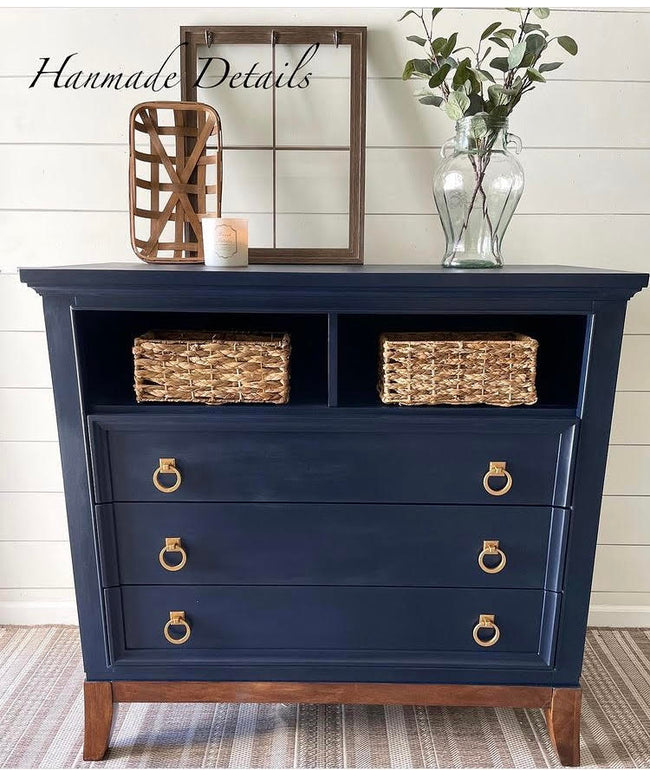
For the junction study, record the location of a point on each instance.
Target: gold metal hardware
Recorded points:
(177, 618)
(486, 621)
(497, 469)
(491, 548)
(166, 465)
(172, 545)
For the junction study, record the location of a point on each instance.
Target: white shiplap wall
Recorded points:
(63, 200)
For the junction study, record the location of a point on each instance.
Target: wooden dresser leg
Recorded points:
(98, 716)
(563, 720)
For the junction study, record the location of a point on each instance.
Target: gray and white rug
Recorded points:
(41, 720)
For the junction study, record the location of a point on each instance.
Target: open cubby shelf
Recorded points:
(108, 379)
(334, 357)
(559, 357)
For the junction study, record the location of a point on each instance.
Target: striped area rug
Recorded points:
(41, 714)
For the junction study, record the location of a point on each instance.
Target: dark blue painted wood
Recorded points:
(597, 297)
(276, 459)
(76, 480)
(313, 622)
(315, 544)
(603, 347)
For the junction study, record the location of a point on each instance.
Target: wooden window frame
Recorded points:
(355, 37)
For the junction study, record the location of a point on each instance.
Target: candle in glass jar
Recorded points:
(225, 241)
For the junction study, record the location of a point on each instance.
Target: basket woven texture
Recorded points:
(212, 368)
(496, 368)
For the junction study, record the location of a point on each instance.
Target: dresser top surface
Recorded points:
(174, 276)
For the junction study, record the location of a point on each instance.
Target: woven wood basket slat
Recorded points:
(428, 368)
(212, 368)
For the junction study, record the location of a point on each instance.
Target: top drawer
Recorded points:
(331, 458)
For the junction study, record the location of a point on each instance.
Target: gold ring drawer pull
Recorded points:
(166, 465)
(491, 548)
(497, 470)
(172, 545)
(177, 619)
(486, 621)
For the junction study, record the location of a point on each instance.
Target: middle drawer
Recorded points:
(331, 544)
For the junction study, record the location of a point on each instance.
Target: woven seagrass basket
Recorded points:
(212, 368)
(496, 368)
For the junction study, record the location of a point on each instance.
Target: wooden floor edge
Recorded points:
(333, 692)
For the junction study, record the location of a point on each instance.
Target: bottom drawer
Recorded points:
(299, 622)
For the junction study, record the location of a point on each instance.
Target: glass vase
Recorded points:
(476, 189)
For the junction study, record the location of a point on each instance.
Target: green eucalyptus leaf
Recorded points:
(449, 46)
(457, 103)
(489, 30)
(505, 32)
(461, 75)
(535, 44)
(438, 44)
(500, 42)
(487, 75)
(500, 63)
(528, 60)
(535, 75)
(541, 13)
(476, 105)
(516, 10)
(550, 66)
(437, 77)
(528, 27)
(432, 99)
(478, 128)
(569, 44)
(435, 12)
(409, 69)
(495, 92)
(422, 67)
(480, 75)
(416, 39)
(408, 13)
(516, 55)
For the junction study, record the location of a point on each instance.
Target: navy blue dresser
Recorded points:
(333, 549)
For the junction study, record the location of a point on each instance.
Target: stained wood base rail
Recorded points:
(561, 705)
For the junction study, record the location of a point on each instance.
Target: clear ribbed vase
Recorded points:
(476, 189)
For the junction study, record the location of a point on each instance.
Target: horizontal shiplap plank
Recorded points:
(25, 360)
(627, 471)
(625, 521)
(619, 610)
(65, 115)
(36, 595)
(38, 606)
(398, 180)
(387, 48)
(27, 415)
(21, 308)
(28, 466)
(32, 516)
(631, 422)
(634, 373)
(63, 238)
(49, 563)
(597, 241)
(622, 568)
(394, 116)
